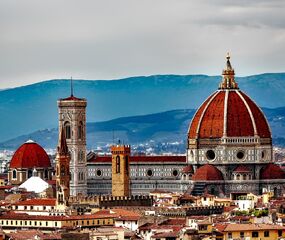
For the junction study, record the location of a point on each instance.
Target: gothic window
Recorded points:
(62, 171)
(238, 177)
(14, 173)
(80, 156)
(80, 130)
(118, 164)
(67, 129)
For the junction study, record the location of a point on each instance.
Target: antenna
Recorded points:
(71, 87)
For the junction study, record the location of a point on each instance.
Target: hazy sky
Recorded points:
(111, 39)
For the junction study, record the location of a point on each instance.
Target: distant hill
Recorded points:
(170, 126)
(29, 108)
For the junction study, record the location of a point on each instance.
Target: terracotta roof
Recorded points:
(207, 173)
(242, 169)
(142, 159)
(30, 155)
(126, 215)
(37, 202)
(230, 110)
(72, 98)
(272, 171)
(166, 234)
(31, 234)
(188, 169)
(174, 221)
(252, 227)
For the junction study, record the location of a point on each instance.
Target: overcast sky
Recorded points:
(110, 39)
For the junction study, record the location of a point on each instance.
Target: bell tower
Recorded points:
(62, 171)
(72, 118)
(120, 170)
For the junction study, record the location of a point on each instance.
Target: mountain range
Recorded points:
(165, 127)
(30, 108)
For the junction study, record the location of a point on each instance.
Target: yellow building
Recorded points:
(12, 221)
(120, 170)
(253, 231)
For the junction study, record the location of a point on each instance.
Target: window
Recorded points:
(80, 130)
(46, 173)
(67, 130)
(127, 164)
(30, 173)
(241, 234)
(230, 235)
(266, 233)
(254, 234)
(279, 233)
(62, 170)
(14, 174)
(118, 164)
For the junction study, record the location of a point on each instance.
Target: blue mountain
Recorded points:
(165, 127)
(29, 108)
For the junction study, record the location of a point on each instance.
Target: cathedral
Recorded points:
(229, 152)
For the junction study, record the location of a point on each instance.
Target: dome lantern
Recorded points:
(228, 80)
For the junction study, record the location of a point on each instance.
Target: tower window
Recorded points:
(80, 130)
(67, 129)
(127, 164)
(118, 164)
(46, 173)
(14, 174)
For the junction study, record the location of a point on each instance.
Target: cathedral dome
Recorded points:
(228, 112)
(30, 155)
(207, 173)
(272, 171)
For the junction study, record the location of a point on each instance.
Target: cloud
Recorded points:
(109, 39)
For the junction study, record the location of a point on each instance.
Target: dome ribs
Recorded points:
(192, 133)
(213, 119)
(239, 123)
(262, 126)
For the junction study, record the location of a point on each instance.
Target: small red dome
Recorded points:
(272, 171)
(30, 155)
(207, 173)
(187, 169)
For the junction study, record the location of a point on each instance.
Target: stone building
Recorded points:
(230, 144)
(72, 117)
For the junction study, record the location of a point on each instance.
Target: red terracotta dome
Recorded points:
(228, 112)
(187, 169)
(30, 155)
(207, 173)
(272, 171)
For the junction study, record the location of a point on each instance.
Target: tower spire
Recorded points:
(62, 145)
(228, 80)
(71, 87)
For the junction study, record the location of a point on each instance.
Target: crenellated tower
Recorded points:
(72, 117)
(62, 171)
(121, 170)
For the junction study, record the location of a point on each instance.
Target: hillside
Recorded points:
(170, 126)
(29, 108)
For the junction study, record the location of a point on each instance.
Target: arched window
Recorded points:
(67, 130)
(62, 170)
(118, 164)
(30, 173)
(238, 177)
(14, 174)
(46, 174)
(244, 176)
(80, 130)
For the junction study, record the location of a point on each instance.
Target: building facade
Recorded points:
(72, 117)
